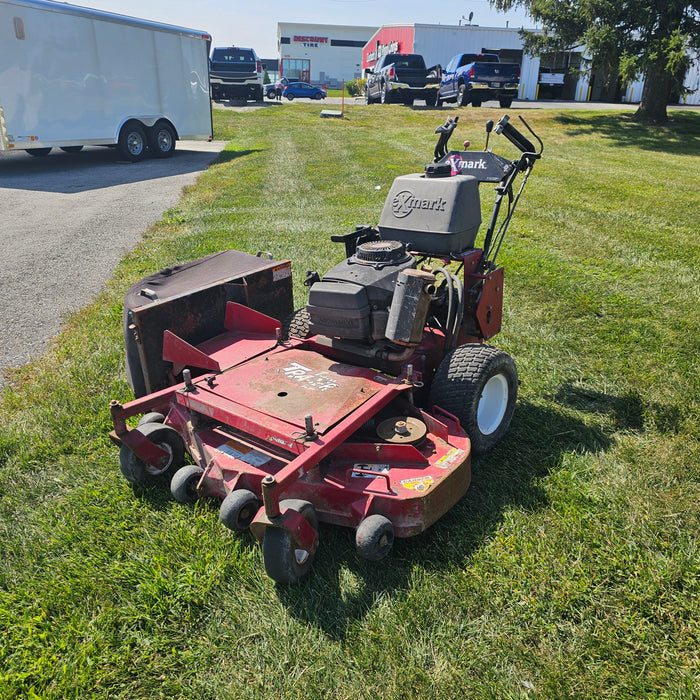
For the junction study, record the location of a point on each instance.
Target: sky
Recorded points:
(254, 23)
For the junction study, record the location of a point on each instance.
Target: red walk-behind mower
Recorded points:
(361, 409)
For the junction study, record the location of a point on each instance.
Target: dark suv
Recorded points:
(235, 72)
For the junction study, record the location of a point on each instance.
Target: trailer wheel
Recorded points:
(132, 142)
(183, 487)
(71, 149)
(161, 140)
(296, 325)
(138, 472)
(374, 537)
(479, 385)
(284, 562)
(38, 152)
(238, 509)
(505, 102)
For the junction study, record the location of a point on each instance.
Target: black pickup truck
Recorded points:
(234, 73)
(401, 77)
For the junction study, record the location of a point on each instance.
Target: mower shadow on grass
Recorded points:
(343, 588)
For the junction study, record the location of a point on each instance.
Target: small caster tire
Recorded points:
(138, 472)
(238, 509)
(374, 537)
(284, 562)
(152, 417)
(183, 486)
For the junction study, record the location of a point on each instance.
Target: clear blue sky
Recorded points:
(254, 22)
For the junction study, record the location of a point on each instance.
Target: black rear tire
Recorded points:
(297, 325)
(505, 102)
(479, 385)
(38, 152)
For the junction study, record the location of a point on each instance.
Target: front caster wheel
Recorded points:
(138, 472)
(238, 509)
(183, 487)
(374, 537)
(284, 561)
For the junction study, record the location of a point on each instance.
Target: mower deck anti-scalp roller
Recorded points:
(365, 411)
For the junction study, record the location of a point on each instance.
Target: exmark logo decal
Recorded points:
(311, 379)
(405, 202)
(459, 165)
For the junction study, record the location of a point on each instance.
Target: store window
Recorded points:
(297, 69)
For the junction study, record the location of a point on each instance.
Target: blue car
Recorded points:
(303, 90)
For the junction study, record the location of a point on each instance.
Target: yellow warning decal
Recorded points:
(419, 483)
(448, 459)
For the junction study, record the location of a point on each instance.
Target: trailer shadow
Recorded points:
(96, 168)
(343, 588)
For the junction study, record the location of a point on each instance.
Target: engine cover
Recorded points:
(352, 300)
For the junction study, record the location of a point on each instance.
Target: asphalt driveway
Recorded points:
(67, 220)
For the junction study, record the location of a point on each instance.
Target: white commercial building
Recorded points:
(324, 54)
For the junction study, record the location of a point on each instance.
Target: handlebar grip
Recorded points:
(514, 136)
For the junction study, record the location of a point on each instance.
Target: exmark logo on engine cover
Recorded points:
(405, 202)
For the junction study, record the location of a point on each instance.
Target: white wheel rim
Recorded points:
(301, 556)
(492, 404)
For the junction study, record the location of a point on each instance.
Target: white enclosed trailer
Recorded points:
(72, 77)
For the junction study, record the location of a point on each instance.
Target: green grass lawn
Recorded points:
(571, 567)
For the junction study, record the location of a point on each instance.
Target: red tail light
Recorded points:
(392, 74)
(258, 66)
(472, 73)
(518, 74)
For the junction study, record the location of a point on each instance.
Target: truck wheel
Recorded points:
(183, 487)
(38, 152)
(374, 537)
(296, 325)
(284, 562)
(479, 385)
(136, 471)
(271, 94)
(462, 100)
(385, 97)
(161, 140)
(505, 102)
(437, 102)
(132, 144)
(476, 103)
(368, 99)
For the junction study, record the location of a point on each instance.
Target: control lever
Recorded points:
(513, 135)
(489, 129)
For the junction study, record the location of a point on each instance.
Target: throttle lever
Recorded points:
(513, 135)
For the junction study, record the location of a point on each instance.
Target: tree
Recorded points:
(628, 38)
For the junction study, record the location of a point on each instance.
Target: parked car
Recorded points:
(270, 88)
(303, 90)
